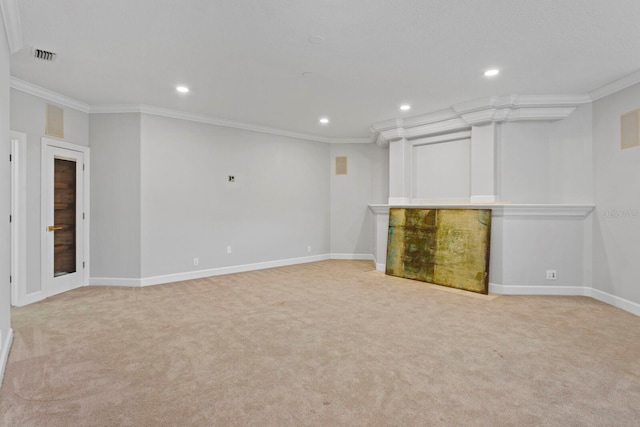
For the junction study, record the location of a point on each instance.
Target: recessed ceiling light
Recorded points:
(405, 107)
(182, 89)
(492, 72)
(324, 120)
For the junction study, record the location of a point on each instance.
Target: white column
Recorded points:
(380, 235)
(400, 172)
(483, 164)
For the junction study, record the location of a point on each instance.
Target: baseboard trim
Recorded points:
(114, 281)
(158, 280)
(178, 277)
(536, 290)
(494, 288)
(621, 303)
(615, 301)
(4, 354)
(29, 299)
(357, 257)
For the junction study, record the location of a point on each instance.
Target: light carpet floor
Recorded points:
(332, 343)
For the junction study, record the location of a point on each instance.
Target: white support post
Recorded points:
(483, 164)
(400, 171)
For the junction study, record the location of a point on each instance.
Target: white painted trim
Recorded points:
(542, 210)
(483, 199)
(536, 290)
(19, 217)
(229, 270)
(361, 257)
(499, 209)
(199, 118)
(178, 277)
(615, 86)
(66, 101)
(181, 115)
(115, 281)
(621, 303)
(351, 140)
(4, 353)
(381, 266)
(30, 298)
(515, 101)
(424, 203)
(48, 95)
(430, 129)
(479, 111)
(447, 137)
(380, 209)
(542, 113)
(87, 216)
(434, 117)
(399, 200)
(12, 24)
(494, 288)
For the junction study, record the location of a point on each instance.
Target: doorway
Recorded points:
(65, 230)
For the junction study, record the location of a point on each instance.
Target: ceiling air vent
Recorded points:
(44, 55)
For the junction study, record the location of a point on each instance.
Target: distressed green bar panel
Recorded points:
(448, 247)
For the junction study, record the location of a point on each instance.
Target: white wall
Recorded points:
(5, 197)
(28, 116)
(531, 246)
(547, 161)
(442, 171)
(523, 150)
(616, 225)
(366, 182)
(571, 158)
(276, 208)
(115, 195)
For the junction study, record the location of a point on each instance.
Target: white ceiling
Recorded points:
(244, 59)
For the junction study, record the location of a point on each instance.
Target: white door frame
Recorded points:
(48, 142)
(19, 219)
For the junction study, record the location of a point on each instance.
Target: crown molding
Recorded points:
(12, 24)
(512, 102)
(63, 100)
(48, 95)
(615, 86)
(351, 140)
(494, 109)
(199, 118)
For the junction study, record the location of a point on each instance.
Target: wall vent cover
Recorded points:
(44, 55)
(341, 165)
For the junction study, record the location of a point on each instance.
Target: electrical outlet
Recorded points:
(228, 249)
(196, 261)
(309, 249)
(551, 275)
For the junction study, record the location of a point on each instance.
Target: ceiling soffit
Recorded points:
(478, 112)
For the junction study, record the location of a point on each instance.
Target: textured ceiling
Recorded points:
(244, 59)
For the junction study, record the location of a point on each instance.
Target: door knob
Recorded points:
(54, 228)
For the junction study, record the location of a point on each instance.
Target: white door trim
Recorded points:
(48, 142)
(18, 218)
